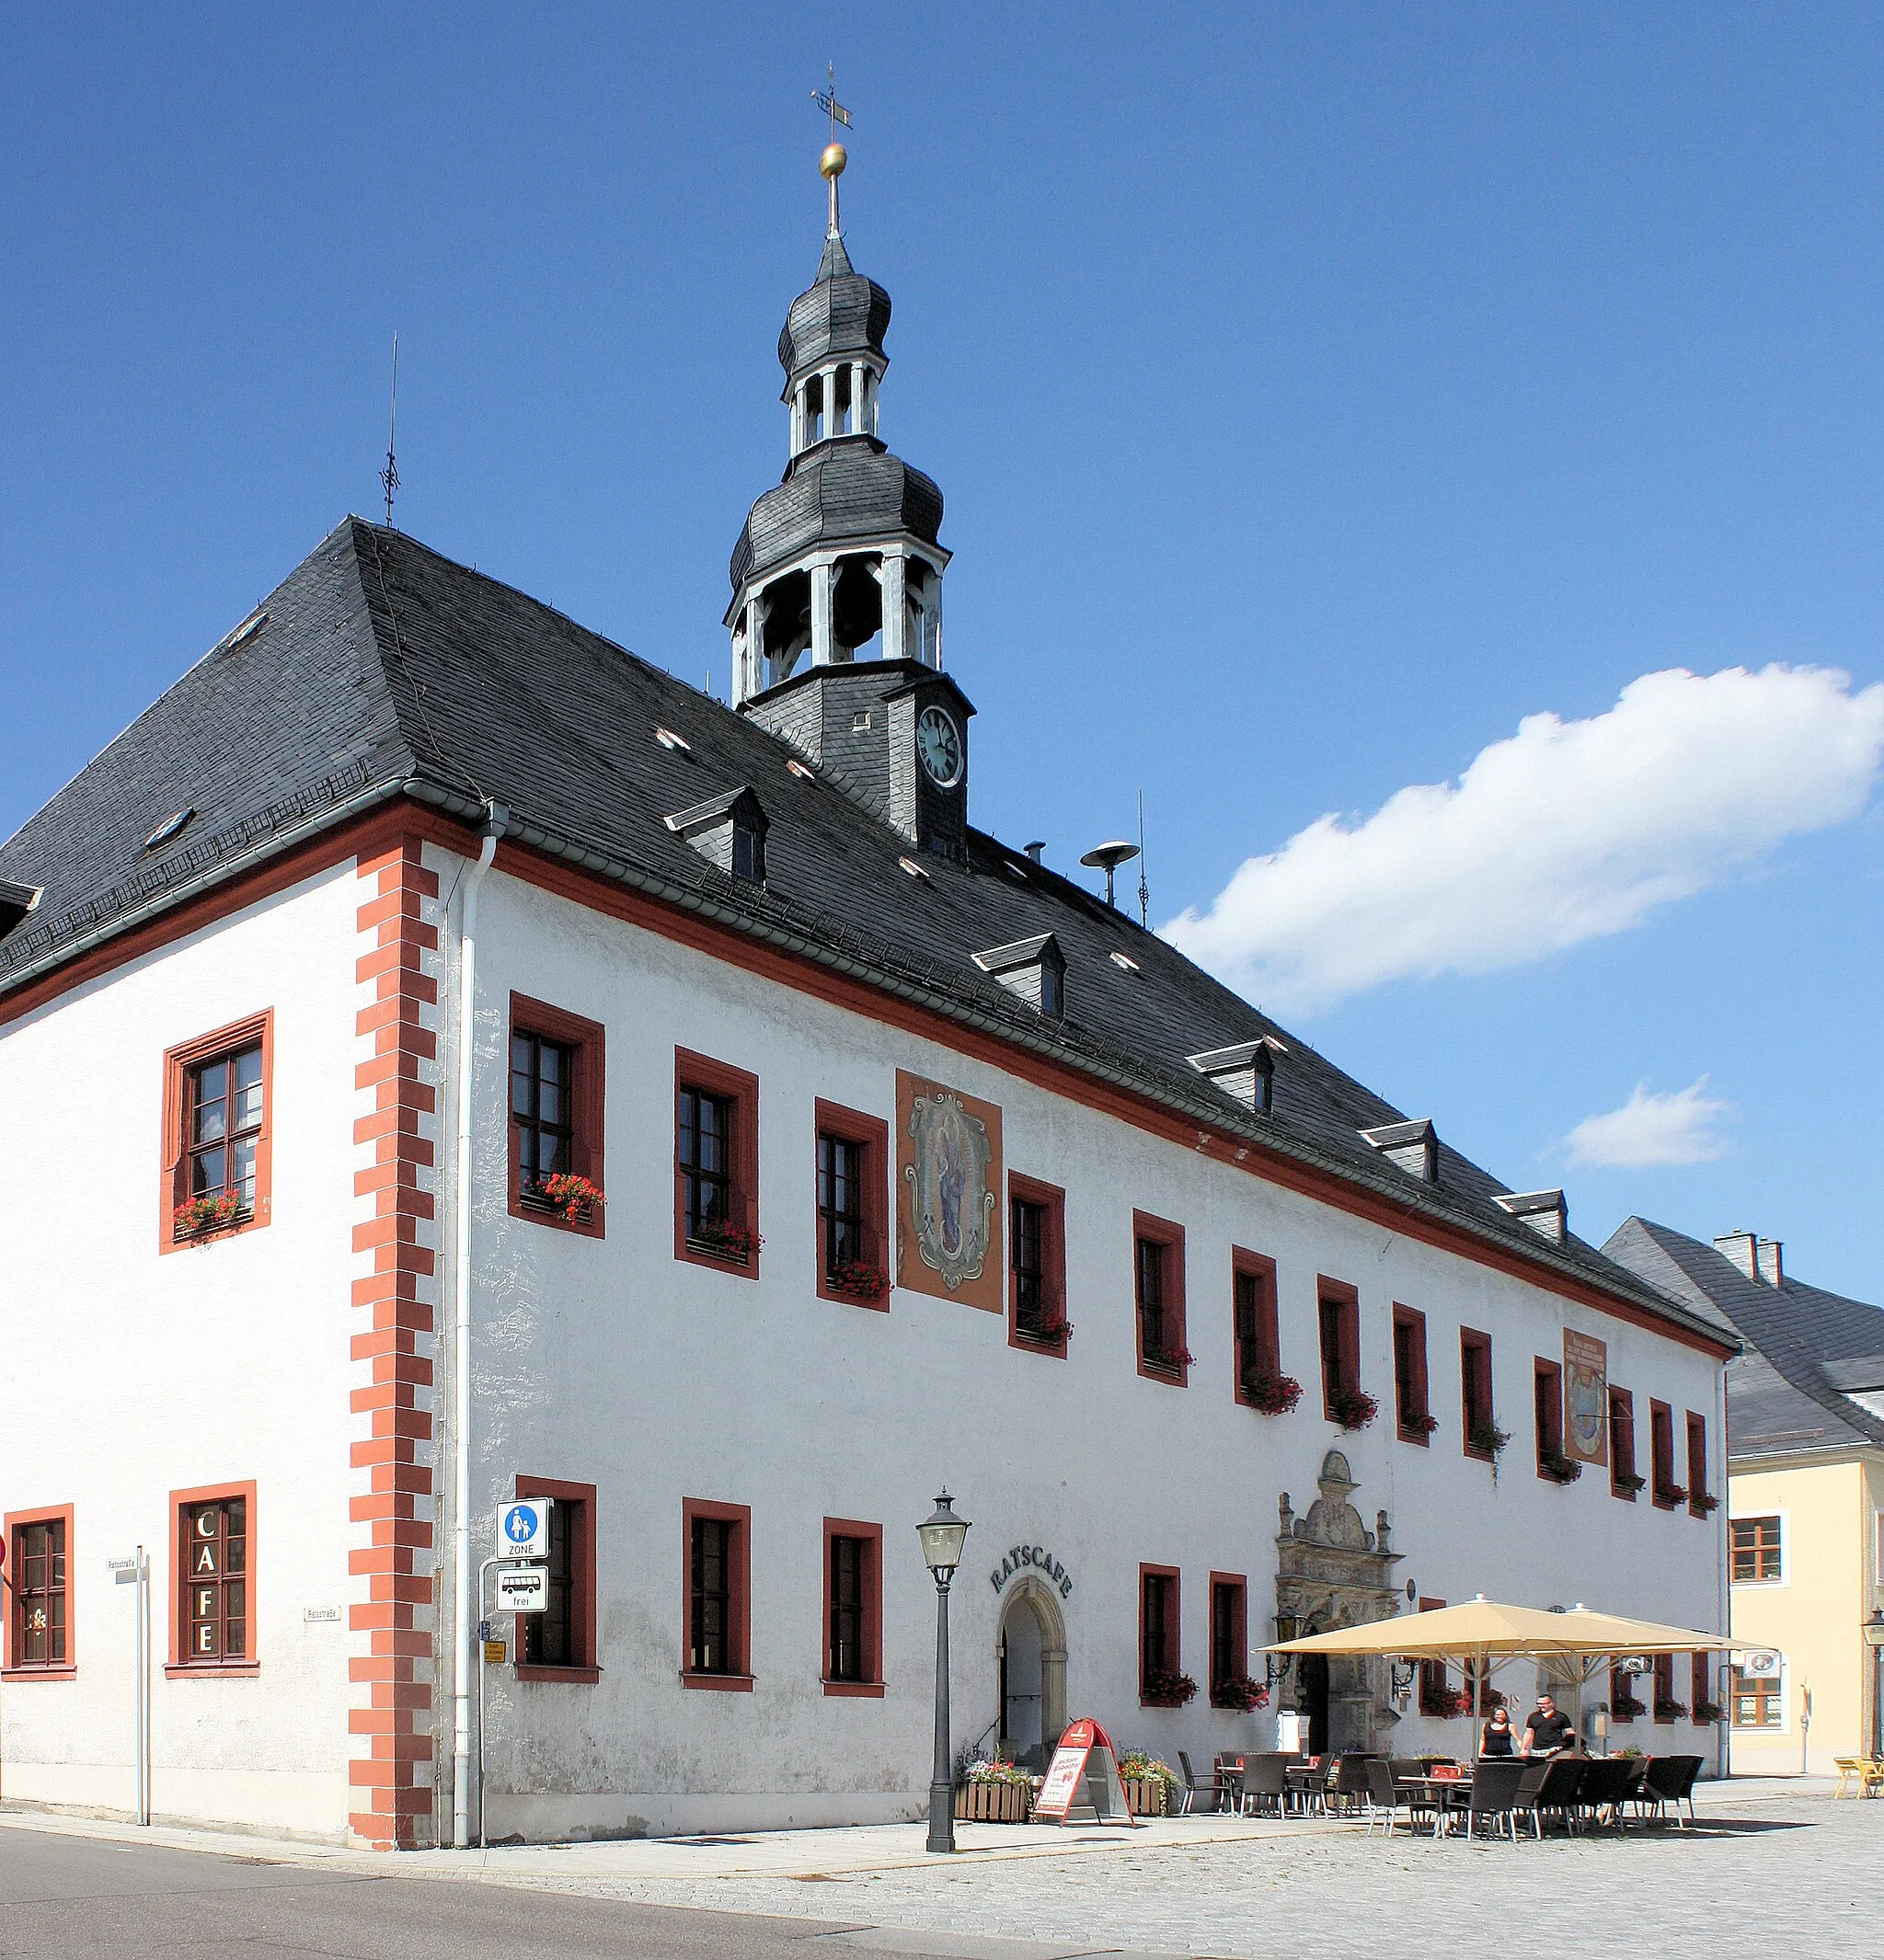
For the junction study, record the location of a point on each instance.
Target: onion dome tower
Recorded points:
(839, 563)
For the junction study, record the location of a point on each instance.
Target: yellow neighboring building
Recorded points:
(1805, 1433)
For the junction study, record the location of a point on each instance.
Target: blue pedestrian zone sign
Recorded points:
(526, 1529)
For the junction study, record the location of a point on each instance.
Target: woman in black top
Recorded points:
(1495, 1738)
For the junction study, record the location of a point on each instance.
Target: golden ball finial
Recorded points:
(830, 165)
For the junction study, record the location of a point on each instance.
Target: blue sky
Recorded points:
(1317, 393)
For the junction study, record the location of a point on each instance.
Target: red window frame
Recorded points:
(741, 1088)
(179, 1666)
(1258, 1349)
(584, 1670)
(1051, 1200)
(1236, 1582)
(871, 1134)
(1474, 1408)
(13, 1668)
(1661, 1455)
(1700, 1682)
(174, 1182)
(1337, 1311)
(1547, 1409)
(871, 1635)
(1149, 1228)
(1697, 1465)
(1664, 1685)
(738, 1612)
(1171, 1627)
(588, 1045)
(1621, 1441)
(1412, 1323)
(1433, 1684)
(1621, 1687)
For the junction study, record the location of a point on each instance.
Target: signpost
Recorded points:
(1084, 1776)
(523, 1586)
(136, 1571)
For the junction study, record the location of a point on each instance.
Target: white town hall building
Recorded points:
(467, 1062)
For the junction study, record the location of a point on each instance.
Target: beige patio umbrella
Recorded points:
(1482, 1635)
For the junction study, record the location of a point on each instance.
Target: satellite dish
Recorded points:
(1108, 858)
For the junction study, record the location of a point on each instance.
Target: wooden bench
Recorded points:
(1859, 1775)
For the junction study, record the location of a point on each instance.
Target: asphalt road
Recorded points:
(63, 1897)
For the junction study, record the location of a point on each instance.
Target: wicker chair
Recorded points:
(1494, 1791)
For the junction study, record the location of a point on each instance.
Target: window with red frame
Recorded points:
(41, 1624)
(1477, 1411)
(716, 1542)
(559, 1063)
(559, 1643)
(853, 1152)
(1229, 1635)
(1700, 1684)
(1668, 1492)
(1623, 1479)
(853, 1605)
(1700, 1499)
(1547, 1404)
(213, 1538)
(1664, 1688)
(1435, 1688)
(716, 1164)
(1257, 1336)
(1037, 1265)
(1158, 1297)
(1160, 1654)
(1412, 1419)
(217, 1124)
(1337, 1318)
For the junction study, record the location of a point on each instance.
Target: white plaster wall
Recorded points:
(128, 1375)
(610, 1362)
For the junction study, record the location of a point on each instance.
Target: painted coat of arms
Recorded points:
(1586, 1397)
(947, 1176)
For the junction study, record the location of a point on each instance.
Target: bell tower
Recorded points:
(836, 611)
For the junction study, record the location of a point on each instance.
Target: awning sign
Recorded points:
(1083, 1774)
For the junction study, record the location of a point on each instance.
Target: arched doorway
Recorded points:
(1030, 1654)
(1312, 1676)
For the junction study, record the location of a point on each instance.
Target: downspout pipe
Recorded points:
(463, 1629)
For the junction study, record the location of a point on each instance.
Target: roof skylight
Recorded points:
(798, 769)
(171, 827)
(668, 740)
(249, 628)
(914, 869)
(1129, 965)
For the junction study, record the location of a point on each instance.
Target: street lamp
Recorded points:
(1874, 1639)
(942, 1535)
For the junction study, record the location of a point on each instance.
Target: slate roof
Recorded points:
(1803, 1346)
(383, 668)
(841, 314)
(846, 489)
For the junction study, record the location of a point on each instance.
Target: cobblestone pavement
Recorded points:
(1764, 1874)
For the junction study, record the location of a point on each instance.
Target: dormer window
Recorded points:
(1033, 970)
(1409, 1147)
(1544, 1212)
(1248, 1071)
(15, 902)
(727, 830)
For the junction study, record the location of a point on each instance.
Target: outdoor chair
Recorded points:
(1347, 1786)
(1524, 1802)
(1494, 1789)
(1606, 1785)
(1668, 1782)
(1384, 1802)
(1265, 1787)
(1406, 1768)
(1191, 1786)
(1563, 1782)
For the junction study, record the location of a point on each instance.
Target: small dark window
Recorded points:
(1151, 1299)
(1338, 1320)
(849, 1581)
(1475, 1388)
(215, 1599)
(748, 855)
(707, 1158)
(1697, 1465)
(1257, 1336)
(39, 1594)
(1661, 1455)
(709, 1647)
(1623, 1479)
(1028, 1244)
(1229, 1661)
(1410, 1413)
(1052, 990)
(1158, 1616)
(841, 1202)
(542, 1109)
(550, 1637)
(225, 1118)
(1547, 1399)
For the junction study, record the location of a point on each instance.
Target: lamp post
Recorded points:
(942, 1535)
(1874, 1639)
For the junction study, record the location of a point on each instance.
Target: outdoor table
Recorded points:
(1445, 1794)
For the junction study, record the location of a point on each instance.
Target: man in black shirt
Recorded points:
(1547, 1733)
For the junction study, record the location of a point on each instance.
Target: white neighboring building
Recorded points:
(870, 1106)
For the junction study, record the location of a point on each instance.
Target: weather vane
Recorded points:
(830, 165)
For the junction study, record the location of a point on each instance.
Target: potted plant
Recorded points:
(994, 1792)
(721, 1239)
(1627, 1481)
(1049, 1326)
(1420, 1425)
(1670, 1494)
(1168, 1361)
(1239, 1690)
(1353, 1408)
(1485, 1438)
(1148, 1783)
(1702, 1502)
(1707, 1713)
(197, 1216)
(1557, 1467)
(1625, 1708)
(574, 1197)
(1271, 1393)
(1445, 1703)
(1667, 1710)
(1164, 1688)
(857, 1279)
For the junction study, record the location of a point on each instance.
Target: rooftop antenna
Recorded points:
(1108, 858)
(830, 165)
(1144, 890)
(389, 476)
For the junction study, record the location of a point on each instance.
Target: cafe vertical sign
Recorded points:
(1586, 1398)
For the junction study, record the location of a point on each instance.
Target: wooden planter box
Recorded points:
(993, 1803)
(1145, 1796)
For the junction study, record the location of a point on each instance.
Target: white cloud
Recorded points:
(1565, 832)
(1682, 1127)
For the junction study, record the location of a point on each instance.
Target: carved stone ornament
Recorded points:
(1331, 1571)
(951, 1203)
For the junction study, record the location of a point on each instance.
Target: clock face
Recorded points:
(938, 743)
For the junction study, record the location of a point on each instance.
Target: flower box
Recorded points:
(1163, 1689)
(1627, 1481)
(572, 1199)
(1145, 1796)
(977, 1802)
(1702, 1502)
(1049, 1327)
(1485, 1438)
(1625, 1708)
(857, 1279)
(720, 1240)
(1270, 1395)
(1353, 1408)
(1668, 1711)
(1419, 1425)
(1240, 1690)
(1557, 1467)
(1670, 1494)
(1706, 1713)
(198, 1216)
(1168, 1361)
